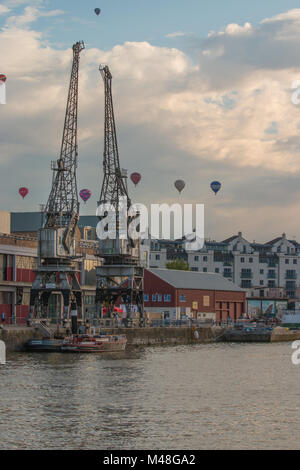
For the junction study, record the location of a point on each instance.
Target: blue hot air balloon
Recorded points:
(215, 186)
(97, 11)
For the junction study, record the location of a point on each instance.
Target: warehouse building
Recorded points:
(181, 294)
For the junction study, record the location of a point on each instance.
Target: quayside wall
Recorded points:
(15, 337)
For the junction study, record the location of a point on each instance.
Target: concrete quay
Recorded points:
(16, 337)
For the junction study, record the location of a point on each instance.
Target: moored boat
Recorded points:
(44, 345)
(94, 344)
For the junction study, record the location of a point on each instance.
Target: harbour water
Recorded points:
(210, 396)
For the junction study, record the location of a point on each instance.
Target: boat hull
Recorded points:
(97, 345)
(44, 345)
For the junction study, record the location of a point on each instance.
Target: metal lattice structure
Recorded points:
(120, 276)
(113, 187)
(62, 209)
(56, 270)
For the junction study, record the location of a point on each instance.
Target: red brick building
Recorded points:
(198, 295)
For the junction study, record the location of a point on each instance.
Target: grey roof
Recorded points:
(31, 221)
(25, 221)
(195, 280)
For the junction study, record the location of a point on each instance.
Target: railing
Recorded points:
(246, 275)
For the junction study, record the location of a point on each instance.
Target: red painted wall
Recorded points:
(25, 275)
(8, 310)
(155, 285)
(22, 312)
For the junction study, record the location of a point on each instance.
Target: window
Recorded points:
(206, 301)
(261, 283)
(250, 260)
(205, 270)
(157, 257)
(159, 298)
(271, 284)
(167, 298)
(287, 261)
(246, 284)
(204, 258)
(196, 258)
(195, 269)
(182, 298)
(146, 298)
(153, 297)
(261, 271)
(217, 270)
(242, 260)
(294, 261)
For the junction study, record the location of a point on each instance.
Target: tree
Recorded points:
(178, 264)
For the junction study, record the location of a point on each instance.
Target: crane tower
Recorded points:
(56, 238)
(121, 275)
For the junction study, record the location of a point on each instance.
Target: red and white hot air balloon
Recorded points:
(135, 178)
(23, 192)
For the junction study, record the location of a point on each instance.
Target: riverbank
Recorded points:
(15, 337)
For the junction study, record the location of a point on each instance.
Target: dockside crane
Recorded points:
(56, 270)
(121, 275)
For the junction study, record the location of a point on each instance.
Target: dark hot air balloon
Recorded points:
(2, 77)
(215, 186)
(135, 178)
(179, 185)
(23, 192)
(97, 11)
(85, 194)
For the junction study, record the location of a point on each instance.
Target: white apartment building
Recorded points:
(263, 269)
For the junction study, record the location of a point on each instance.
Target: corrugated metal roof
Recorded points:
(195, 280)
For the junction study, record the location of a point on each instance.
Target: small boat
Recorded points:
(94, 343)
(44, 345)
(247, 334)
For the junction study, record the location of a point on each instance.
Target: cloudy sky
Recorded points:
(202, 91)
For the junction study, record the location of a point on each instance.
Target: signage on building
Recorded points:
(50, 285)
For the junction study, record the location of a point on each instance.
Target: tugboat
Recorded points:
(94, 343)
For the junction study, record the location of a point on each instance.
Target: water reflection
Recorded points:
(204, 396)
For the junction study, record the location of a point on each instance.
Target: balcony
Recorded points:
(272, 275)
(291, 276)
(246, 275)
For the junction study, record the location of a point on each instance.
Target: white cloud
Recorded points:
(175, 118)
(30, 15)
(177, 34)
(3, 10)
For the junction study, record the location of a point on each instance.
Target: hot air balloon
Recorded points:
(2, 77)
(179, 185)
(23, 192)
(135, 178)
(85, 194)
(215, 186)
(97, 11)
